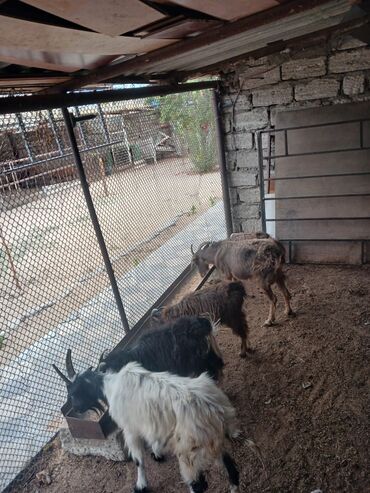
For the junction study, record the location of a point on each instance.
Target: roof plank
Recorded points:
(226, 10)
(34, 36)
(64, 62)
(113, 17)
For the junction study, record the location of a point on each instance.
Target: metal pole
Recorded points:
(15, 104)
(223, 167)
(261, 181)
(103, 122)
(81, 127)
(94, 217)
(55, 132)
(24, 136)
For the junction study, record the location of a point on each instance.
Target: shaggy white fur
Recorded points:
(189, 417)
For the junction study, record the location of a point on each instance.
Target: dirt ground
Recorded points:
(302, 397)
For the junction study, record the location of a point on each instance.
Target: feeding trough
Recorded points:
(88, 425)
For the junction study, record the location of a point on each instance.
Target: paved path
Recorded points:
(31, 394)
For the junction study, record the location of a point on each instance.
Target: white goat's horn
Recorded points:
(69, 365)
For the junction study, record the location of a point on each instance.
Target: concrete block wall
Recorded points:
(254, 90)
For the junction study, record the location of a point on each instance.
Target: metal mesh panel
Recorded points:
(154, 178)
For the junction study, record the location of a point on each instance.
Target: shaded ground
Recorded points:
(302, 397)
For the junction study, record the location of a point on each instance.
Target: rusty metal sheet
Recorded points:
(226, 10)
(111, 17)
(34, 36)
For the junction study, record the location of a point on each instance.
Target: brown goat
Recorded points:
(241, 259)
(222, 300)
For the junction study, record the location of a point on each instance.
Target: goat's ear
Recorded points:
(62, 376)
(191, 249)
(69, 365)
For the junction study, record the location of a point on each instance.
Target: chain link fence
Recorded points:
(153, 171)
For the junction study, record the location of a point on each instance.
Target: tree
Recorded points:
(192, 117)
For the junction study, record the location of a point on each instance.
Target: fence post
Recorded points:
(261, 179)
(223, 168)
(94, 217)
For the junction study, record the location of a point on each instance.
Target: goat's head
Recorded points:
(198, 258)
(85, 388)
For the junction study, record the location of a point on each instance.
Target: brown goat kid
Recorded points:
(222, 300)
(242, 258)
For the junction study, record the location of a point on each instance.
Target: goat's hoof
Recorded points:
(141, 490)
(291, 314)
(269, 323)
(157, 458)
(243, 355)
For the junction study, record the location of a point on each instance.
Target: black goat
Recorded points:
(222, 300)
(185, 347)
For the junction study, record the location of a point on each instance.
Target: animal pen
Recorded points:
(100, 202)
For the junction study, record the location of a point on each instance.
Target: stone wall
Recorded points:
(334, 72)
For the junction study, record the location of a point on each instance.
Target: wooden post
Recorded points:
(10, 259)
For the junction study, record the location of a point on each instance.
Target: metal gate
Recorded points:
(315, 184)
(99, 205)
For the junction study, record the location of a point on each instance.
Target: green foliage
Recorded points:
(193, 210)
(192, 117)
(136, 262)
(212, 200)
(2, 340)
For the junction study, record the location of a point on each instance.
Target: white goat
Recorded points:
(190, 417)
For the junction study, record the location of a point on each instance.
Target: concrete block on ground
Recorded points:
(304, 68)
(111, 448)
(315, 89)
